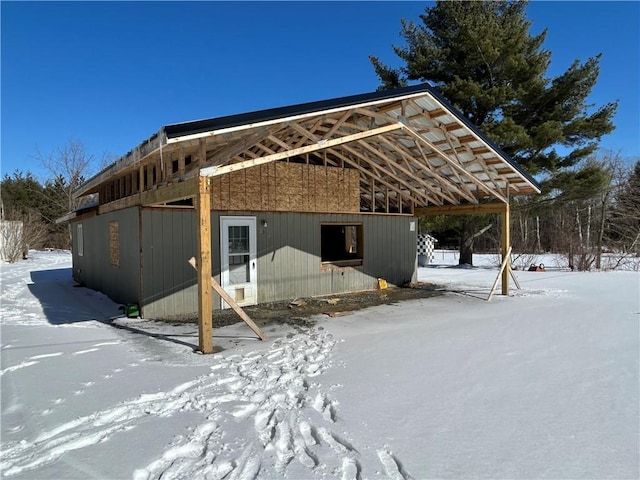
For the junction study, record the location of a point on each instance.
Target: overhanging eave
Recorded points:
(409, 142)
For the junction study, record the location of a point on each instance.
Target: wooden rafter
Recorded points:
(313, 128)
(451, 187)
(436, 159)
(385, 117)
(378, 174)
(278, 142)
(170, 193)
(462, 142)
(230, 150)
(434, 174)
(492, 207)
(262, 148)
(338, 124)
(381, 171)
(449, 127)
(367, 161)
(454, 165)
(451, 140)
(486, 164)
(482, 165)
(320, 145)
(391, 170)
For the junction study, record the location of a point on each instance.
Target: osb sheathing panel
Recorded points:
(287, 187)
(114, 243)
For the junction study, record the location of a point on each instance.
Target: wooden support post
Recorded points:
(181, 162)
(386, 200)
(373, 195)
(506, 248)
(150, 168)
(503, 268)
(205, 304)
(141, 179)
(232, 303)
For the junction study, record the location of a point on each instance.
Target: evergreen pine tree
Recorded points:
(485, 61)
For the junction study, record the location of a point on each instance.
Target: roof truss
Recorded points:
(411, 150)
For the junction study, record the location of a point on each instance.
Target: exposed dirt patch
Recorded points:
(299, 310)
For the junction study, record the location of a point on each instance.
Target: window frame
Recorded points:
(343, 258)
(80, 239)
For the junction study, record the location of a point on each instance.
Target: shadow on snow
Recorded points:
(64, 302)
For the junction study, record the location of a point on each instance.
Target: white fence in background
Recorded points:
(10, 240)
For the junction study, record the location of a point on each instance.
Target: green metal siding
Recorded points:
(94, 269)
(288, 250)
(289, 262)
(169, 282)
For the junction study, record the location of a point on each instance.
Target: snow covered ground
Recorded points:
(542, 384)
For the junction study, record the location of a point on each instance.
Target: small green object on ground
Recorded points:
(131, 311)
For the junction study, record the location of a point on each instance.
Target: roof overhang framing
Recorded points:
(411, 148)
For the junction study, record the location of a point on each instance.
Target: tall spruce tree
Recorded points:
(485, 61)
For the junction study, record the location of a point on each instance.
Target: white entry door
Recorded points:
(239, 262)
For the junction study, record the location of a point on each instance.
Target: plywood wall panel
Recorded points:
(288, 187)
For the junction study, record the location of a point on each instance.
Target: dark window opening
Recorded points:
(187, 160)
(187, 202)
(341, 245)
(174, 166)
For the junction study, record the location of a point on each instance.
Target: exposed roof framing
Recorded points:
(409, 145)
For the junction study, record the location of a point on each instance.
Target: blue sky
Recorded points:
(111, 74)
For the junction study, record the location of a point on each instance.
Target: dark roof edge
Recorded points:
(200, 126)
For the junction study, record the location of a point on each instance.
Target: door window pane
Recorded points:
(238, 269)
(239, 239)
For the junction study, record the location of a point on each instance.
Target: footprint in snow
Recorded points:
(350, 469)
(244, 411)
(272, 406)
(284, 446)
(392, 466)
(308, 434)
(303, 454)
(264, 424)
(325, 406)
(338, 444)
(247, 466)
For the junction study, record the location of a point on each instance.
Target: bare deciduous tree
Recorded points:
(71, 164)
(24, 230)
(11, 240)
(624, 225)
